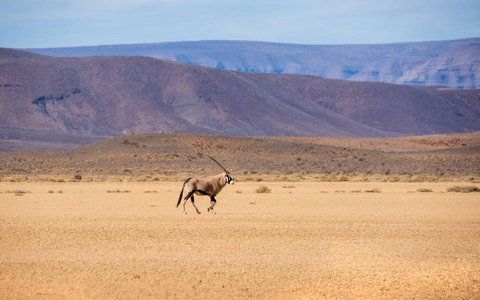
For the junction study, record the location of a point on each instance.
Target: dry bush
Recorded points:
(18, 192)
(463, 189)
(375, 190)
(424, 190)
(423, 178)
(472, 179)
(18, 178)
(359, 179)
(263, 189)
(257, 179)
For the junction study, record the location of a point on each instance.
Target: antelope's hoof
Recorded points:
(198, 212)
(184, 212)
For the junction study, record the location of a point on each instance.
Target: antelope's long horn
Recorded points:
(217, 163)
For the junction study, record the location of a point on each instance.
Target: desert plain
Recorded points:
(301, 240)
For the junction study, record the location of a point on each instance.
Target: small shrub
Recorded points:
(463, 189)
(375, 190)
(19, 178)
(424, 190)
(395, 179)
(78, 177)
(18, 192)
(263, 189)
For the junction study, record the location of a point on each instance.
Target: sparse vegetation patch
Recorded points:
(263, 189)
(18, 192)
(424, 190)
(463, 189)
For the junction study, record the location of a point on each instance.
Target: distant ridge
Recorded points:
(453, 63)
(92, 98)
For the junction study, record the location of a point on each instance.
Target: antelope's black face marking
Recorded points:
(229, 179)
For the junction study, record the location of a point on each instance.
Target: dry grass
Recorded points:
(374, 190)
(463, 189)
(18, 192)
(424, 190)
(245, 178)
(263, 189)
(118, 191)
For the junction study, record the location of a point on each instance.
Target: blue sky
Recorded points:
(65, 23)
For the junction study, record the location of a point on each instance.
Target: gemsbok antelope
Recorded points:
(208, 186)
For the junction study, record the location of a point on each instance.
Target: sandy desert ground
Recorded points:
(300, 241)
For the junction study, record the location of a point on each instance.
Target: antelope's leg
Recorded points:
(213, 202)
(193, 202)
(185, 201)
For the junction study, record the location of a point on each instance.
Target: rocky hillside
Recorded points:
(165, 155)
(454, 63)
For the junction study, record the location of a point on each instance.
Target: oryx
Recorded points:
(208, 186)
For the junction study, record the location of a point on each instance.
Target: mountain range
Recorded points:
(452, 63)
(64, 102)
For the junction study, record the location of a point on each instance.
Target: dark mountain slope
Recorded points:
(109, 96)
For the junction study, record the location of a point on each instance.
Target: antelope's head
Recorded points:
(228, 178)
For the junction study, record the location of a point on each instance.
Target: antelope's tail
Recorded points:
(181, 194)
